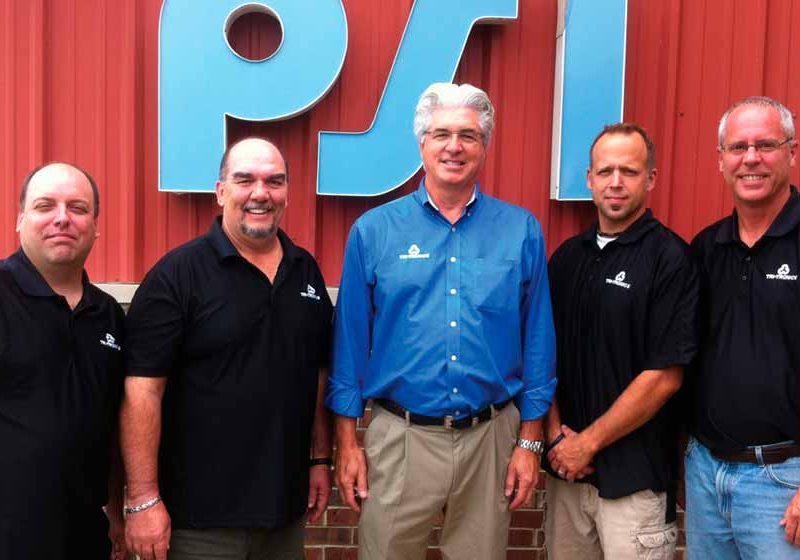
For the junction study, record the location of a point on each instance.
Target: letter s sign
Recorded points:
(201, 78)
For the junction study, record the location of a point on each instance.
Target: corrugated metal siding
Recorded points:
(78, 82)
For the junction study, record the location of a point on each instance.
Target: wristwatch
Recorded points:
(535, 445)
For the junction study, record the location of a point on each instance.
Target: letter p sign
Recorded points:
(202, 79)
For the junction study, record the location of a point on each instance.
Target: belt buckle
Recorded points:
(448, 421)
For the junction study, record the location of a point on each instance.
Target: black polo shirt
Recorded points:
(60, 386)
(747, 388)
(242, 356)
(619, 311)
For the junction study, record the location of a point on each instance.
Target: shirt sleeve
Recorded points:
(673, 328)
(538, 337)
(351, 332)
(154, 327)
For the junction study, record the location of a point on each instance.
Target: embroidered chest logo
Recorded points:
(310, 293)
(415, 253)
(111, 342)
(619, 280)
(783, 274)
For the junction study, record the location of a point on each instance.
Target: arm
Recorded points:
(637, 404)
(351, 463)
(116, 485)
(147, 532)
(319, 484)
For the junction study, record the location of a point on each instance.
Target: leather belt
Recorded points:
(446, 421)
(770, 454)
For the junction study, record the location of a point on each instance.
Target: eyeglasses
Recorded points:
(466, 137)
(761, 146)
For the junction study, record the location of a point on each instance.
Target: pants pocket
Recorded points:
(385, 449)
(656, 543)
(786, 474)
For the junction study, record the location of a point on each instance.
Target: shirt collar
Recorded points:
(423, 197)
(32, 283)
(225, 249)
(787, 220)
(634, 233)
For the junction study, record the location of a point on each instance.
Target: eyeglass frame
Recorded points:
(759, 146)
(463, 136)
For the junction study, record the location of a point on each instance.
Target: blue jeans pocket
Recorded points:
(786, 474)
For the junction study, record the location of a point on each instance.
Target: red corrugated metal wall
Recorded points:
(78, 82)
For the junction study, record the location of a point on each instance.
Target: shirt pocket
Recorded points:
(493, 283)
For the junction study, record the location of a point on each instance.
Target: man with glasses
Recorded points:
(743, 460)
(444, 320)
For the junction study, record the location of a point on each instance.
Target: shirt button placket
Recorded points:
(453, 308)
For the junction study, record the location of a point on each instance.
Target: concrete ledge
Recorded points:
(123, 292)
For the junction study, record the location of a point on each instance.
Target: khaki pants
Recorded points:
(416, 471)
(285, 543)
(580, 524)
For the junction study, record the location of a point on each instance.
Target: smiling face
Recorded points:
(619, 180)
(453, 149)
(57, 224)
(757, 179)
(253, 194)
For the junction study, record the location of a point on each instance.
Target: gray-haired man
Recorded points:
(443, 319)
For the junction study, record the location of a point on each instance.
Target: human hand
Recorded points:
(147, 532)
(791, 521)
(319, 491)
(522, 474)
(572, 456)
(351, 475)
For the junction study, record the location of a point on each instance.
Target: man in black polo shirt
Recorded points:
(743, 463)
(624, 302)
(227, 335)
(60, 378)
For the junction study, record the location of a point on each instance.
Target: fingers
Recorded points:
(791, 528)
(525, 488)
(363, 487)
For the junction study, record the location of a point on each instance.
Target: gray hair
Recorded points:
(444, 94)
(787, 120)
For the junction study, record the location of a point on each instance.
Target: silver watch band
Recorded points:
(535, 445)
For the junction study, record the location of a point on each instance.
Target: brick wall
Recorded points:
(335, 537)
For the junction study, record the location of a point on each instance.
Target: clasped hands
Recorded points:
(571, 457)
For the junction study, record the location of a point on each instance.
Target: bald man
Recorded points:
(227, 337)
(60, 377)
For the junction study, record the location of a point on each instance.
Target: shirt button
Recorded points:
(458, 412)
(744, 276)
(455, 389)
(453, 324)
(453, 228)
(453, 291)
(452, 259)
(747, 258)
(453, 358)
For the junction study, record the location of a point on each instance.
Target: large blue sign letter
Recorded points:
(201, 79)
(589, 87)
(385, 156)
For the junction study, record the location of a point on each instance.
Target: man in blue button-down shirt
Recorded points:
(444, 320)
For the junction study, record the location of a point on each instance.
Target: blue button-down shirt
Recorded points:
(444, 319)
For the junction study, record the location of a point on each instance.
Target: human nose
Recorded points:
(454, 141)
(62, 216)
(752, 155)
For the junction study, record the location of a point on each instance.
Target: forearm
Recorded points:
(637, 404)
(116, 480)
(346, 432)
(321, 435)
(552, 423)
(140, 435)
(530, 429)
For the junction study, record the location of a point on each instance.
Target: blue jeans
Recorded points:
(733, 510)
